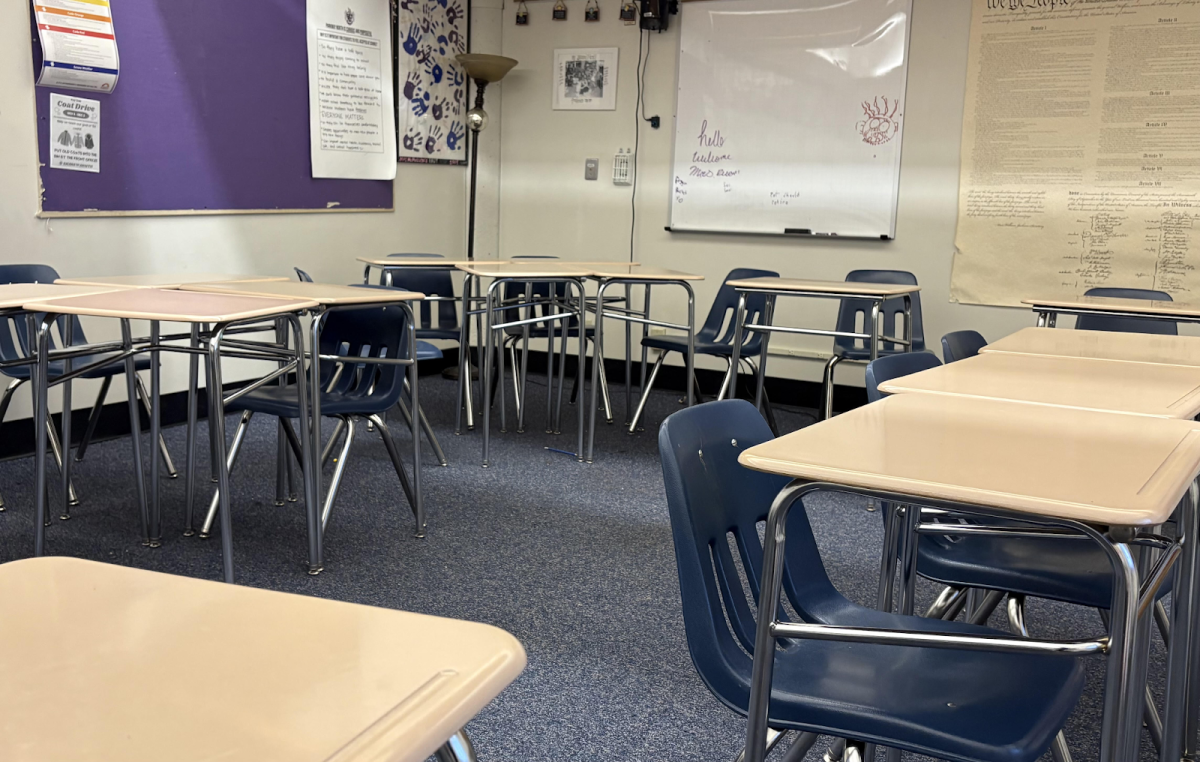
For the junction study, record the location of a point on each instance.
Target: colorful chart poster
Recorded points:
(79, 45)
(352, 120)
(74, 133)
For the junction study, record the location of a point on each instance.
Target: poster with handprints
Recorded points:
(432, 102)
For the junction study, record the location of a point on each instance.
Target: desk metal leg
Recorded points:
(646, 291)
(419, 503)
(155, 432)
(192, 414)
(485, 374)
(282, 458)
(40, 421)
(582, 363)
(1122, 659)
(760, 381)
(64, 460)
(216, 421)
(730, 388)
(463, 396)
(313, 442)
(598, 358)
(628, 353)
(551, 326)
(135, 430)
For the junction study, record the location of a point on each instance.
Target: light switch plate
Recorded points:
(591, 169)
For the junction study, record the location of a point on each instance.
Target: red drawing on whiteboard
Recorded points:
(882, 120)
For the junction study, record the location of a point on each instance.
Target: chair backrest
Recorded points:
(431, 282)
(11, 349)
(1127, 324)
(714, 503)
(854, 314)
(896, 366)
(960, 345)
(721, 323)
(368, 332)
(302, 275)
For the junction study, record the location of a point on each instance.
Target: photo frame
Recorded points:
(431, 87)
(585, 79)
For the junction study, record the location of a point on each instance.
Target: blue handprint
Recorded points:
(431, 141)
(412, 86)
(456, 134)
(454, 12)
(413, 139)
(456, 77)
(439, 109)
(414, 39)
(442, 42)
(442, 3)
(434, 70)
(421, 105)
(425, 54)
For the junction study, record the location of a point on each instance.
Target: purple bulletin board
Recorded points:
(210, 115)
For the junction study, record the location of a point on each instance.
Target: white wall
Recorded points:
(430, 203)
(548, 208)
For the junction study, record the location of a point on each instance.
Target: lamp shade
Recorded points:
(489, 68)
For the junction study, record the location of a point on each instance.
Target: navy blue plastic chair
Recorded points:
(1127, 324)
(715, 337)
(855, 313)
(950, 704)
(15, 349)
(355, 389)
(960, 345)
(1060, 569)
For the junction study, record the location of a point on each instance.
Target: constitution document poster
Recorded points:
(1081, 150)
(352, 120)
(79, 46)
(74, 133)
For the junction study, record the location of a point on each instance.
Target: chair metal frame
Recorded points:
(1126, 647)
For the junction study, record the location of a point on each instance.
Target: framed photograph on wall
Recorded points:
(585, 79)
(431, 88)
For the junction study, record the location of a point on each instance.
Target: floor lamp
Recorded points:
(482, 68)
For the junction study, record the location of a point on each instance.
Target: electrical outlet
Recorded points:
(591, 169)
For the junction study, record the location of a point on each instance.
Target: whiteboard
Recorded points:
(789, 116)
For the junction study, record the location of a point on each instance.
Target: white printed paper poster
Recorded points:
(79, 45)
(352, 119)
(74, 133)
(585, 79)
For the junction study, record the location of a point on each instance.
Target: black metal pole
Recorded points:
(474, 173)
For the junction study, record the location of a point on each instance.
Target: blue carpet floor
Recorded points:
(575, 560)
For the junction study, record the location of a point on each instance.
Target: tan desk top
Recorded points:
(111, 664)
(172, 306)
(323, 293)
(1148, 307)
(1052, 461)
(641, 273)
(546, 268)
(14, 295)
(825, 286)
(162, 280)
(1159, 391)
(1101, 345)
(420, 261)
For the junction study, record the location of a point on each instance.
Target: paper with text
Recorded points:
(352, 120)
(79, 46)
(74, 133)
(1081, 150)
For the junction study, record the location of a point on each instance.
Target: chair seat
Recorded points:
(427, 351)
(281, 401)
(963, 705)
(56, 368)
(679, 344)
(1072, 571)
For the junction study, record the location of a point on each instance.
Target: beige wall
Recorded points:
(429, 216)
(548, 208)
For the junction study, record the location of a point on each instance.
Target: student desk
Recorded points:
(1048, 309)
(1144, 389)
(1098, 475)
(1101, 345)
(112, 664)
(876, 293)
(223, 311)
(552, 271)
(628, 275)
(329, 298)
(161, 280)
